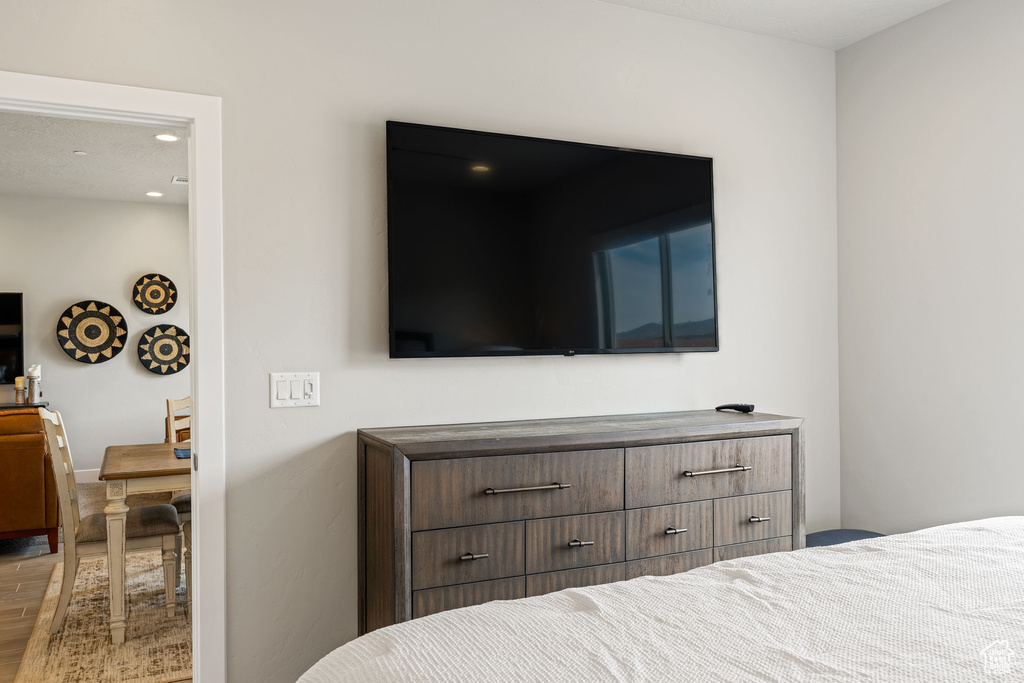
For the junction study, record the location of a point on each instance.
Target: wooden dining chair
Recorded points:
(186, 534)
(182, 502)
(179, 427)
(152, 527)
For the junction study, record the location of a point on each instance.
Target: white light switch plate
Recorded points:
(294, 389)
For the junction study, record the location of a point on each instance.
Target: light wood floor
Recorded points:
(24, 575)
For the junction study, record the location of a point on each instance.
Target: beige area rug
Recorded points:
(157, 648)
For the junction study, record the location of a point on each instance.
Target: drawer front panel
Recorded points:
(655, 474)
(669, 564)
(772, 545)
(447, 493)
(733, 517)
(435, 600)
(659, 530)
(437, 556)
(596, 539)
(539, 584)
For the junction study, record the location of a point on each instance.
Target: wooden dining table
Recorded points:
(141, 468)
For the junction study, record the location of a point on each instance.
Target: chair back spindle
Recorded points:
(179, 427)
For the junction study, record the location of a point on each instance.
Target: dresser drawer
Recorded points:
(461, 491)
(669, 564)
(657, 475)
(436, 600)
(736, 519)
(578, 541)
(668, 529)
(772, 545)
(475, 553)
(539, 584)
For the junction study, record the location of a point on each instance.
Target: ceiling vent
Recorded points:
(179, 180)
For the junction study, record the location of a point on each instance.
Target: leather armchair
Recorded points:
(28, 492)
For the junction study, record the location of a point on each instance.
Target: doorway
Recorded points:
(200, 116)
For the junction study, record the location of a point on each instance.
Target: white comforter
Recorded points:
(942, 604)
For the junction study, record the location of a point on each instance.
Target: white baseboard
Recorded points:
(87, 476)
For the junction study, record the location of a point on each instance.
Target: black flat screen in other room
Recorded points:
(12, 338)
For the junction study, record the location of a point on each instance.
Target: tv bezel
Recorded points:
(540, 352)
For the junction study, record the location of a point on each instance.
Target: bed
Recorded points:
(941, 604)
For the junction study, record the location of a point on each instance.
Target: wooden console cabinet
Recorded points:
(457, 515)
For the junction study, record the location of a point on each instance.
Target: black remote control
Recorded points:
(738, 407)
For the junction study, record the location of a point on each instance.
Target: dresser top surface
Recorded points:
(576, 432)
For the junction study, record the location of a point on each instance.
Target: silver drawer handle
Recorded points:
(737, 468)
(471, 556)
(577, 543)
(550, 487)
(672, 530)
(755, 519)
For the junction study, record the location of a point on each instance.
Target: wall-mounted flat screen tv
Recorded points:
(12, 337)
(507, 245)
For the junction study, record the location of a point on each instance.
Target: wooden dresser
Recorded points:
(456, 515)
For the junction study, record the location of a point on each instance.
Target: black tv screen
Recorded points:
(508, 245)
(12, 338)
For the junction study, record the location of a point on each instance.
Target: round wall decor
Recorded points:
(154, 293)
(164, 350)
(91, 331)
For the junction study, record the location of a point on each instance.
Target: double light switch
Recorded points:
(294, 389)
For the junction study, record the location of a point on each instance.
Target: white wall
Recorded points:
(307, 88)
(931, 166)
(61, 251)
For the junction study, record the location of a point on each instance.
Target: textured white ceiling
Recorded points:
(833, 24)
(123, 162)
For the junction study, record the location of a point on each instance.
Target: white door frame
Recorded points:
(67, 98)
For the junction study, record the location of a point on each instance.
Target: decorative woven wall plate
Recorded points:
(154, 293)
(91, 331)
(164, 349)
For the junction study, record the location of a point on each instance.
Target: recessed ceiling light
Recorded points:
(154, 194)
(480, 168)
(165, 137)
(79, 152)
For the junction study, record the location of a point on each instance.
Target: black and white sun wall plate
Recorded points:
(154, 293)
(91, 331)
(164, 349)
